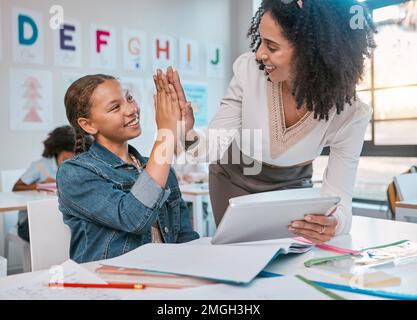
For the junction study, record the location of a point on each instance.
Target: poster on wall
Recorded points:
(67, 46)
(189, 57)
(27, 36)
(164, 52)
(149, 104)
(103, 47)
(68, 78)
(30, 100)
(197, 94)
(147, 138)
(134, 50)
(215, 61)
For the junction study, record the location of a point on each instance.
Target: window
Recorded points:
(390, 85)
(373, 176)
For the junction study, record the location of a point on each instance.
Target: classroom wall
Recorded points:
(207, 21)
(241, 16)
(223, 22)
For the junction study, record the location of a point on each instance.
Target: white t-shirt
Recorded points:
(248, 108)
(40, 170)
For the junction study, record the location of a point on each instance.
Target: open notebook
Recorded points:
(232, 263)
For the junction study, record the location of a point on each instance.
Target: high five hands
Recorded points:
(167, 105)
(170, 83)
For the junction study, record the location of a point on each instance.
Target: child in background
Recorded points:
(190, 171)
(58, 147)
(112, 198)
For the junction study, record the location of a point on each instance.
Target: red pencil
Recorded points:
(136, 286)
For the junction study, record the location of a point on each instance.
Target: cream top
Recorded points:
(251, 112)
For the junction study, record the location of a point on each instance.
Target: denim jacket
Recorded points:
(110, 205)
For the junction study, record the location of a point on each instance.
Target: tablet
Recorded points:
(257, 221)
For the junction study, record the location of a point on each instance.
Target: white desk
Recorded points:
(195, 194)
(365, 232)
(13, 201)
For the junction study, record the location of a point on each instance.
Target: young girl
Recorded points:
(112, 198)
(58, 147)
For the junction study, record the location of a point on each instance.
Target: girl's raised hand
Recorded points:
(167, 111)
(187, 114)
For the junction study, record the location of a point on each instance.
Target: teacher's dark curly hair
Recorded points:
(330, 49)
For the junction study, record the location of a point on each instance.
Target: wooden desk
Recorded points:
(366, 232)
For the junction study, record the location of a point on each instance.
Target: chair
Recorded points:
(49, 235)
(8, 179)
(406, 185)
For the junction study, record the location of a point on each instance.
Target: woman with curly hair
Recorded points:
(297, 88)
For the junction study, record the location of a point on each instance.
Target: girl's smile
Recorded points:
(134, 123)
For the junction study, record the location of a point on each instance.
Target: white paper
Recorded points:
(32, 48)
(237, 264)
(30, 100)
(134, 50)
(197, 94)
(189, 57)
(103, 47)
(36, 288)
(215, 61)
(67, 46)
(68, 78)
(279, 288)
(164, 52)
(283, 244)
